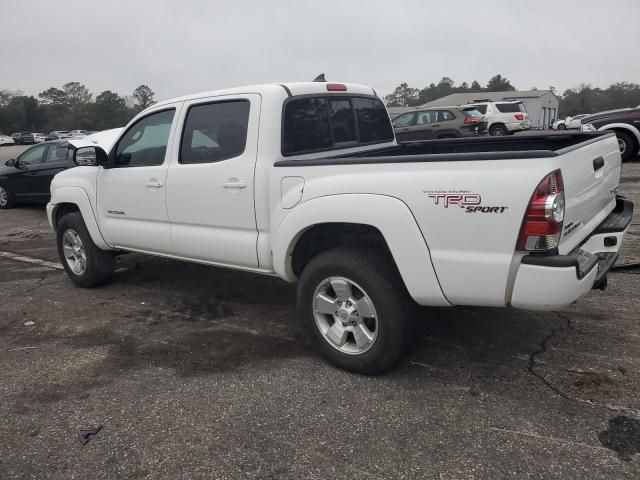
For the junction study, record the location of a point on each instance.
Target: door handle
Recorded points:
(154, 185)
(234, 184)
(598, 163)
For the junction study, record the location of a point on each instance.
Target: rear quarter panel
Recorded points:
(472, 251)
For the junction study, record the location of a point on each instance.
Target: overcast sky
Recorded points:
(179, 47)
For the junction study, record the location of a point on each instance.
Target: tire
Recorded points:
(393, 321)
(6, 198)
(498, 130)
(99, 265)
(562, 126)
(628, 145)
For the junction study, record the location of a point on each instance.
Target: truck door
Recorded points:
(210, 184)
(131, 191)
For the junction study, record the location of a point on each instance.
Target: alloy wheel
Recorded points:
(74, 252)
(345, 315)
(4, 197)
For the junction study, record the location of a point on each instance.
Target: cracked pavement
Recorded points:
(199, 372)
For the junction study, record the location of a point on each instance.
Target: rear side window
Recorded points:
(445, 116)
(313, 124)
(214, 132)
(510, 107)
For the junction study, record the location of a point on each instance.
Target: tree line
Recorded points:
(581, 99)
(71, 107)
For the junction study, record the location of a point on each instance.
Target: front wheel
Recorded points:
(562, 126)
(355, 310)
(86, 264)
(6, 197)
(627, 144)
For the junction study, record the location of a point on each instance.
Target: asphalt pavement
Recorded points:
(200, 372)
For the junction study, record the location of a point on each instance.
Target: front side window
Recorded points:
(35, 156)
(405, 120)
(215, 131)
(145, 143)
(425, 118)
(58, 154)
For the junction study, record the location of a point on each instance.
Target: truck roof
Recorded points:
(295, 88)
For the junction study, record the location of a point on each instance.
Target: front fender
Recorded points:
(76, 196)
(388, 215)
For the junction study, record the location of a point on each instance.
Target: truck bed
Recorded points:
(463, 149)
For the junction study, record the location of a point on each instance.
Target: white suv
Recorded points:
(504, 118)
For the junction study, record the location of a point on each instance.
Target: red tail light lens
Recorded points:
(519, 116)
(469, 120)
(542, 224)
(336, 87)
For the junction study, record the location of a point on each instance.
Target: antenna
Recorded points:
(320, 78)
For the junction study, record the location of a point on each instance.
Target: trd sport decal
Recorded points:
(471, 202)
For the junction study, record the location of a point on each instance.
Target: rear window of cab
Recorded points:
(330, 122)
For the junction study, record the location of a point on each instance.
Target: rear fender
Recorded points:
(77, 196)
(623, 126)
(388, 215)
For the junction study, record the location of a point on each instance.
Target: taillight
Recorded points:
(542, 224)
(336, 87)
(519, 116)
(469, 120)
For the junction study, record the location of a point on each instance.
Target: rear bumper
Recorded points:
(555, 281)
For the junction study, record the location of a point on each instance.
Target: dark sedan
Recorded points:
(24, 138)
(28, 177)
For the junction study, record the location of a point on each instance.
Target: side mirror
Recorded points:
(11, 162)
(90, 157)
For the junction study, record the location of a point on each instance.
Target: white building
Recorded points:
(542, 105)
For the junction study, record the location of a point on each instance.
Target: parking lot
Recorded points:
(195, 371)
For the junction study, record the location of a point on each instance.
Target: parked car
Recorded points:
(24, 138)
(15, 135)
(39, 137)
(439, 122)
(367, 227)
(78, 133)
(27, 178)
(624, 122)
(503, 118)
(6, 140)
(57, 135)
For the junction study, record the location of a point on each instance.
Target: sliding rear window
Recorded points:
(315, 124)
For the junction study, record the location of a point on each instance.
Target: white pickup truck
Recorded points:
(305, 181)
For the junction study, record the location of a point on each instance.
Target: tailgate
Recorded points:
(591, 174)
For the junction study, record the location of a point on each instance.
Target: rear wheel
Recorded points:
(628, 145)
(498, 130)
(86, 264)
(355, 310)
(6, 197)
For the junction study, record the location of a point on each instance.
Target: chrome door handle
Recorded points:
(154, 185)
(234, 184)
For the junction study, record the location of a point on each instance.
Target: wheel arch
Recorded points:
(75, 199)
(366, 220)
(623, 126)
